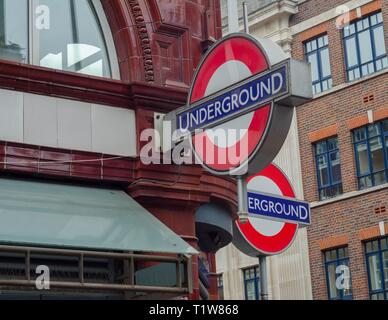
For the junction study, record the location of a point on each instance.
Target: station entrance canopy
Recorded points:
(41, 220)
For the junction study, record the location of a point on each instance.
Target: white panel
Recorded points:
(11, 116)
(113, 130)
(74, 125)
(40, 120)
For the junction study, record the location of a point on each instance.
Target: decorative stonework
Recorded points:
(272, 20)
(144, 40)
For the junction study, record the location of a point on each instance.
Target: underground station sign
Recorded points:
(278, 208)
(245, 89)
(274, 214)
(241, 102)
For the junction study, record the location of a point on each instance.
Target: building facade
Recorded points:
(289, 272)
(80, 81)
(343, 144)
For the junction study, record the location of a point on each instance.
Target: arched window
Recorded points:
(59, 34)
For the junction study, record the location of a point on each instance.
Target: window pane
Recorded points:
(314, 45)
(385, 125)
(74, 41)
(347, 283)
(363, 159)
(373, 20)
(379, 17)
(250, 290)
(331, 279)
(326, 40)
(313, 59)
(341, 253)
(351, 52)
(335, 167)
(360, 134)
(332, 144)
(321, 147)
(14, 30)
(379, 296)
(308, 46)
(325, 63)
(384, 244)
(374, 272)
(360, 25)
(320, 42)
(327, 256)
(365, 46)
(336, 190)
(365, 182)
(377, 156)
(373, 130)
(365, 23)
(323, 171)
(385, 266)
(378, 34)
(379, 178)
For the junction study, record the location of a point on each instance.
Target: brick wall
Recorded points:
(344, 223)
(337, 113)
(312, 8)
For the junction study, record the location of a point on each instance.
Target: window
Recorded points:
(377, 267)
(371, 149)
(365, 51)
(328, 162)
(338, 279)
(251, 283)
(220, 287)
(317, 53)
(62, 34)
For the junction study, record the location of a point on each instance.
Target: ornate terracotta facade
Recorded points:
(159, 44)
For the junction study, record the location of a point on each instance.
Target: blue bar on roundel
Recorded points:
(278, 208)
(229, 104)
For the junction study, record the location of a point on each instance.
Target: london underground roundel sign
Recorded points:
(263, 236)
(240, 104)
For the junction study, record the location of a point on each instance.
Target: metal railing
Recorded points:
(127, 277)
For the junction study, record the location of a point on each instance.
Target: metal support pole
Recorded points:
(233, 16)
(245, 13)
(263, 278)
(242, 199)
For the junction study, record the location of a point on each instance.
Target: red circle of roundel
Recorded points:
(246, 51)
(282, 240)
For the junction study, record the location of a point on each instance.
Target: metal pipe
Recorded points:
(242, 199)
(81, 268)
(95, 286)
(263, 278)
(28, 265)
(245, 14)
(178, 275)
(233, 24)
(95, 254)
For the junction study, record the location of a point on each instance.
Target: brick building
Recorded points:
(344, 146)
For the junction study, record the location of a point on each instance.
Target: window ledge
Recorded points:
(349, 84)
(347, 196)
(75, 86)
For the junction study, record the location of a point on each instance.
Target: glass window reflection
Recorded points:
(317, 53)
(66, 35)
(328, 164)
(365, 51)
(14, 30)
